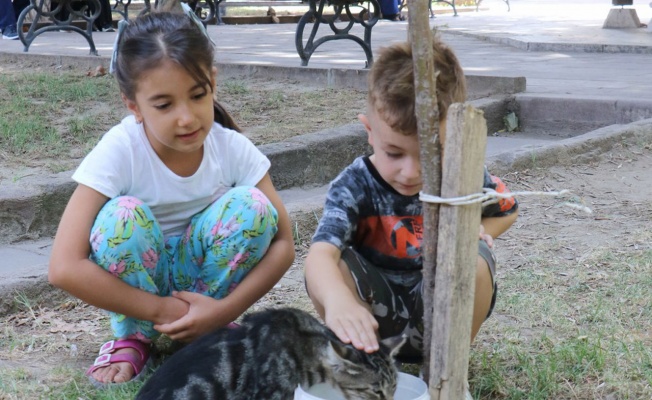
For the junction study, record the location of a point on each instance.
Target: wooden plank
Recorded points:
(462, 174)
(420, 37)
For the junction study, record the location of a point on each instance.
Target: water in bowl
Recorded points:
(408, 388)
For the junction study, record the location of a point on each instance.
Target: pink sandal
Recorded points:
(106, 357)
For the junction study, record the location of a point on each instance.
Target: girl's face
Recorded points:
(176, 111)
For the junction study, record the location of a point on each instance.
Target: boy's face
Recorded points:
(396, 156)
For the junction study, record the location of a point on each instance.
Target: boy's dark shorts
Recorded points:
(398, 306)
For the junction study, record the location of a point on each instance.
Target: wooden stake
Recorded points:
(420, 37)
(465, 145)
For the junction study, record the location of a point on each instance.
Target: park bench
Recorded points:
(77, 10)
(367, 17)
(38, 9)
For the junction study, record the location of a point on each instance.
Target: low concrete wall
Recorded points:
(31, 206)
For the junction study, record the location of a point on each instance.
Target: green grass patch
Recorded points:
(62, 383)
(50, 115)
(576, 330)
(582, 335)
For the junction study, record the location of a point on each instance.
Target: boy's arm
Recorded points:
(499, 216)
(496, 226)
(335, 298)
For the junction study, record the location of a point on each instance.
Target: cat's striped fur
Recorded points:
(265, 358)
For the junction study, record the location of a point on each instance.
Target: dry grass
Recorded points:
(51, 118)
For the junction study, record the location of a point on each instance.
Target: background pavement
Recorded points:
(558, 46)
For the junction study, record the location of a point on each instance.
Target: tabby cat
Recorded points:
(266, 357)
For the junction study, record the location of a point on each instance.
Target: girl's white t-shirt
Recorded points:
(124, 163)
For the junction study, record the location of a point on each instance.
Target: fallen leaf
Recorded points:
(98, 71)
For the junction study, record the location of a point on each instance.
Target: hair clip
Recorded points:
(189, 12)
(122, 25)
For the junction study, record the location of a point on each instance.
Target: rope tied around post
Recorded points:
(490, 196)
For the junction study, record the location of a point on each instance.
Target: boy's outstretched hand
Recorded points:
(486, 237)
(352, 323)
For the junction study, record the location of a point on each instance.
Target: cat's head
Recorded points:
(365, 376)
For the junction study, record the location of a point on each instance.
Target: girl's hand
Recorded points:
(202, 317)
(353, 324)
(172, 309)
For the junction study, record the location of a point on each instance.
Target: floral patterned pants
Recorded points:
(219, 247)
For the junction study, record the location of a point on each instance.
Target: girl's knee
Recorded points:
(254, 197)
(251, 207)
(120, 219)
(125, 236)
(124, 208)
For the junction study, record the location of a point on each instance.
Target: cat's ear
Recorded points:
(341, 356)
(394, 343)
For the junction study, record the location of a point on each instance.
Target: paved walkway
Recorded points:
(577, 56)
(559, 46)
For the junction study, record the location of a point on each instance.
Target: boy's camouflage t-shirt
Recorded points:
(385, 227)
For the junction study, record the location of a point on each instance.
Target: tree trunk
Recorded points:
(420, 37)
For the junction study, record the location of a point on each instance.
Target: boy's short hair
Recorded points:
(391, 84)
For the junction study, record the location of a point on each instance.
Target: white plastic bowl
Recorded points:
(408, 387)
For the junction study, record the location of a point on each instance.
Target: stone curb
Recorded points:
(576, 150)
(30, 207)
(554, 47)
(478, 86)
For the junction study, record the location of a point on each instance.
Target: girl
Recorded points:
(174, 207)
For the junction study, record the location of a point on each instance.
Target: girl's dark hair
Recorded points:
(153, 38)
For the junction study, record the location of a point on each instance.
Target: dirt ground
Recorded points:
(40, 340)
(42, 343)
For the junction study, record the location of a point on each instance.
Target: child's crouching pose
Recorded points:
(364, 268)
(175, 226)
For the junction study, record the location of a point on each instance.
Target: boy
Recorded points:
(363, 270)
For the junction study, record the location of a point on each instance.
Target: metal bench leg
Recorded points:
(449, 2)
(205, 10)
(28, 37)
(218, 13)
(316, 14)
(124, 8)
